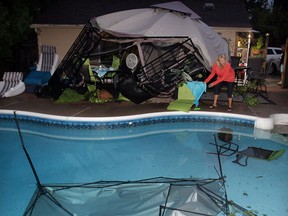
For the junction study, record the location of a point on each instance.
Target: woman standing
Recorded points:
(282, 65)
(225, 75)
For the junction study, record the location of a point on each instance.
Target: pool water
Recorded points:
(177, 146)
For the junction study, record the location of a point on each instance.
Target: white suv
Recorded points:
(273, 57)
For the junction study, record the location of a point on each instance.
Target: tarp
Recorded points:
(162, 21)
(186, 197)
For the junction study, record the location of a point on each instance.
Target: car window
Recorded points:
(278, 52)
(270, 52)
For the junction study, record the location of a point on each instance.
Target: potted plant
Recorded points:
(256, 50)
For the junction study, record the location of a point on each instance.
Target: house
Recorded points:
(62, 23)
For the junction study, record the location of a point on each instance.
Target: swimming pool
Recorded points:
(136, 151)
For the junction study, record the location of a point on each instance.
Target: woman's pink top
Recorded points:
(226, 74)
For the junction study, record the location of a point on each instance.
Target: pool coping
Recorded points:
(128, 117)
(265, 124)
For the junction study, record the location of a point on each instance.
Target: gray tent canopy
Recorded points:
(172, 19)
(178, 7)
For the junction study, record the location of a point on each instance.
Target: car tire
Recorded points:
(273, 69)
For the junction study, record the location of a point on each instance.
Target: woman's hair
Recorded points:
(221, 56)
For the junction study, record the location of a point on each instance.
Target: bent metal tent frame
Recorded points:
(152, 45)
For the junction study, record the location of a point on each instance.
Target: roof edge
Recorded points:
(56, 25)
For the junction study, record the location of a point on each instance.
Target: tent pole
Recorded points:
(42, 189)
(25, 150)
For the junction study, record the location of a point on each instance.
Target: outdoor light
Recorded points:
(248, 48)
(239, 43)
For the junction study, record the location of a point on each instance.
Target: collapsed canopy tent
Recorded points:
(156, 48)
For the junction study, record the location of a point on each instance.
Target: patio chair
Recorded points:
(259, 153)
(257, 75)
(235, 61)
(44, 70)
(229, 148)
(12, 84)
(48, 59)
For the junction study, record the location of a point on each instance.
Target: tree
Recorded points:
(279, 22)
(16, 16)
(269, 18)
(282, 4)
(14, 22)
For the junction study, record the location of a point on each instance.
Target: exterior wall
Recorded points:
(62, 37)
(230, 34)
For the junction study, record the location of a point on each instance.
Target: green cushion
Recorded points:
(180, 105)
(121, 97)
(91, 75)
(69, 96)
(116, 62)
(91, 88)
(276, 154)
(184, 93)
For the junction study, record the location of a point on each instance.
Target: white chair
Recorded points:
(46, 66)
(48, 59)
(12, 84)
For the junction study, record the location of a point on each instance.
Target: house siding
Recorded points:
(62, 37)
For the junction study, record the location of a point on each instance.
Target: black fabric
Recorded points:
(235, 60)
(55, 87)
(230, 86)
(128, 88)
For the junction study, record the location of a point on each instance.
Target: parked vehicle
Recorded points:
(273, 57)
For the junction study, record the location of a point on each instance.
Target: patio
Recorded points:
(30, 102)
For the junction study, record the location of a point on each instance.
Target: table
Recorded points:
(238, 79)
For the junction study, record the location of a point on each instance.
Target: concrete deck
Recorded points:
(30, 102)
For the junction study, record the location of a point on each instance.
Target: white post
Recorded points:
(248, 49)
(247, 57)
